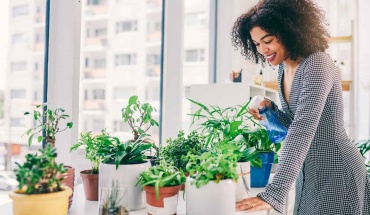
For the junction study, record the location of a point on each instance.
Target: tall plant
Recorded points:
(138, 116)
(48, 121)
(92, 144)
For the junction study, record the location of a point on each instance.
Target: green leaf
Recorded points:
(39, 138)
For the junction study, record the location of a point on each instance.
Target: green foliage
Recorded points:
(138, 116)
(364, 147)
(219, 124)
(52, 119)
(113, 151)
(162, 175)
(176, 150)
(239, 148)
(40, 173)
(212, 167)
(112, 204)
(92, 145)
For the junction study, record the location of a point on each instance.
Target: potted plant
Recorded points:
(210, 187)
(267, 152)
(162, 184)
(90, 178)
(48, 124)
(114, 200)
(39, 189)
(123, 162)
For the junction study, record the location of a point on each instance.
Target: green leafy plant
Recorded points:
(260, 140)
(240, 148)
(221, 124)
(212, 167)
(40, 173)
(176, 150)
(113, 151)
(162, 175)
(112, 203)
(92, 144)
(138, 116)
(48, 121)
(364, 147)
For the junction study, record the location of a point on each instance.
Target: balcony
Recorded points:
(153, 71)
(94, 105)
(39, 47)
(154, 36)
(96, 41)
(94, 73)
(94, 10)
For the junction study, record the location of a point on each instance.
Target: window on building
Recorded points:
(19, 66)
(18, 94)
(19, 38)
(123, 92)
(194, 55)
(99, 63)
(125, 26)
(120, 126)
(20, 10)
(125, 59)
(99, 94)
(195, 19)
(96, 2)
(153, 59)
(17, 122)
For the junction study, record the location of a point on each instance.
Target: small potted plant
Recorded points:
(90, 178)
(49, 122)
(210, 187)
(39, 189)
(267, 152)
(162, 183)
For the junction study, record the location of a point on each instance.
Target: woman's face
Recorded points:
(269, 46)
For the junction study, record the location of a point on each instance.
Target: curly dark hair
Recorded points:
(298, 24)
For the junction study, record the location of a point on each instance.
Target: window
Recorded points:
(125, 59)
(99, 94)
(125, 26)
(194, 55)
(153, 59)
(123, 92)
(120, 126)
(17, 122)
(19, 38)
(19, 66)
(98, 125)
(18, 94)
(99, 63)
(96, 2)
(195, 19)
(20, 10)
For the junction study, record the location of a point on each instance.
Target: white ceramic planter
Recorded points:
(242, 188)
(211, 198)
(126, 175)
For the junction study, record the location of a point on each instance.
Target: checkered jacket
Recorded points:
(317, 154)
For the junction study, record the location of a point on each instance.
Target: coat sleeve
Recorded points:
(318, 76)
(283, 118)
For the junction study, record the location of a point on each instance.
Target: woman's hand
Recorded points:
(252, 204)
(255, 112)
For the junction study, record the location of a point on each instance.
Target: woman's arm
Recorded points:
(317, 82)
(283, 118)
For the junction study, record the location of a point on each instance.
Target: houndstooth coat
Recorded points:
(329, 171)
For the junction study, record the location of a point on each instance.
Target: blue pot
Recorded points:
(260, 176)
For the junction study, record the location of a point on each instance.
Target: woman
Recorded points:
(317, 154)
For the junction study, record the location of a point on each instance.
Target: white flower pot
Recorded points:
(242, 188)
(127, 176)
(211, 198)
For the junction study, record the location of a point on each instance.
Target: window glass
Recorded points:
(120, 57)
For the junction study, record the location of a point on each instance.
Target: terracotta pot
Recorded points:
(166, 194)
(69, 180)
(91, 185)
(41, 204)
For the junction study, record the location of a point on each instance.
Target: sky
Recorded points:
(4, 10)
